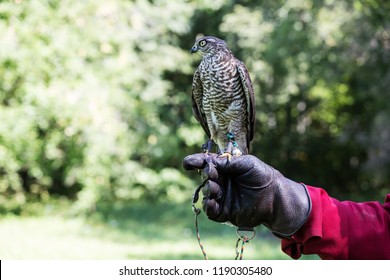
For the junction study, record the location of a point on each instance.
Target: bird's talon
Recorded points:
(226, 155)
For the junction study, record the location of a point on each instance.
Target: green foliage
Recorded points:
(95, 95)
(81, 96)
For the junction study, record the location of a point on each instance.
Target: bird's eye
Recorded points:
(202, 43)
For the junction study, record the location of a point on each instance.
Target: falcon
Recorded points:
(222, 98)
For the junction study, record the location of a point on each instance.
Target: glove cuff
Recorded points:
(294, 206)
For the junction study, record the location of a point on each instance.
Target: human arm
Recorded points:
(342, 229)
(261, 195)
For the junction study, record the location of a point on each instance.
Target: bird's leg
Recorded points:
(230, 147)
(208, 146)
(236, 151)
(228, 151)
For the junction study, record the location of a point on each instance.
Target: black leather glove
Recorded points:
(247, 192)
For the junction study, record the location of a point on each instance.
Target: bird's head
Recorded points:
(209, 45)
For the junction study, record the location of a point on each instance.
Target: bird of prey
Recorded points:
(223, 98)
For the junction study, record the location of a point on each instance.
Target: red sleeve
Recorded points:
(342, 229)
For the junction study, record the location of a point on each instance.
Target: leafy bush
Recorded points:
(95, 95)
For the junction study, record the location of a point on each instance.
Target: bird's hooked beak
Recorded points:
(194, 49)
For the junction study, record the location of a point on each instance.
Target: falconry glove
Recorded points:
(247, 192)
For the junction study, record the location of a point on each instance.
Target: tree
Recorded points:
(95, 96)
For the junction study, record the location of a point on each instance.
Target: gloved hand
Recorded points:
(247, 192)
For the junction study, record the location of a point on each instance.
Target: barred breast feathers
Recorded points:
(222, 94)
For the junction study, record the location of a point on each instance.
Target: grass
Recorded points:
(139, 231)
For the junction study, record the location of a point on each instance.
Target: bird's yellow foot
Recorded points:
(227, 155)
(228, 151)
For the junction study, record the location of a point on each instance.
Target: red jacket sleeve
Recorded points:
(342, 229)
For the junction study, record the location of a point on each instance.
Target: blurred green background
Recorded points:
(95, 117)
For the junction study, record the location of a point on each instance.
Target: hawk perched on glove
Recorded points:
(222, 97)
